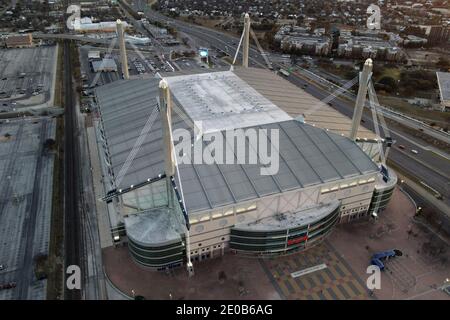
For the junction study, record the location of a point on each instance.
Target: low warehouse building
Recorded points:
(19, 41)
(104, 65)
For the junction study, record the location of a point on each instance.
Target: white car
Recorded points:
(2, 267)
(414, 151)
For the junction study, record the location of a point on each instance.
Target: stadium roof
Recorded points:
(308, 155)
(297, 102)
(290, 98)
(222, 101)
(443, 79)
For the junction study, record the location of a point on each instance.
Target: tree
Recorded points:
(388, 84)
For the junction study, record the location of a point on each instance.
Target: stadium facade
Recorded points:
(172, 213)
(173, 210)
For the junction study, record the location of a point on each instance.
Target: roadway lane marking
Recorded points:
(303, 272)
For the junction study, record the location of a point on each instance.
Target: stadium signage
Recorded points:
(297, 240)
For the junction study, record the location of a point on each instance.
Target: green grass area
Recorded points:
(408, 79)
(393, 73)
(441, 119)
(340, 70)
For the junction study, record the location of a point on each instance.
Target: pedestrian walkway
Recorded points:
(102, 210)
(336, 281)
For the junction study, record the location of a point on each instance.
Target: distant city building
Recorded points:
(438, 34)
(368, 46)
(371, 44)
(86, 25)
(19, 41)
(443, 79)
(345, 43)
(93, 55)
(411, 39)
(289, 30)
(318, 45)
(300, 39)
(335, 33)
(137, 40)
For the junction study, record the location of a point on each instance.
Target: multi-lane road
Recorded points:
(427, 165)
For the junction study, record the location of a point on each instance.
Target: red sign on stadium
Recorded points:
(297, 240)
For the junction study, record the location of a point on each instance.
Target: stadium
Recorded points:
(198, 211)
(173, 210)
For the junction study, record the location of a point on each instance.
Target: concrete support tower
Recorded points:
(361, 98)
(166, 117)
(123, 49)
(165, 105)
(246, 39)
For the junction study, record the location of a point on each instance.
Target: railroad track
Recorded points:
(72, 237)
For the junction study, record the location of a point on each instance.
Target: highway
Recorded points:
(387, 112)
(427, 166)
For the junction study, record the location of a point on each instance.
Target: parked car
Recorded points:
(9, 285)
(414, 151)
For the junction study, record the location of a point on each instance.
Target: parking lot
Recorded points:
(26, 172)
(139, 63)
(26, 77)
